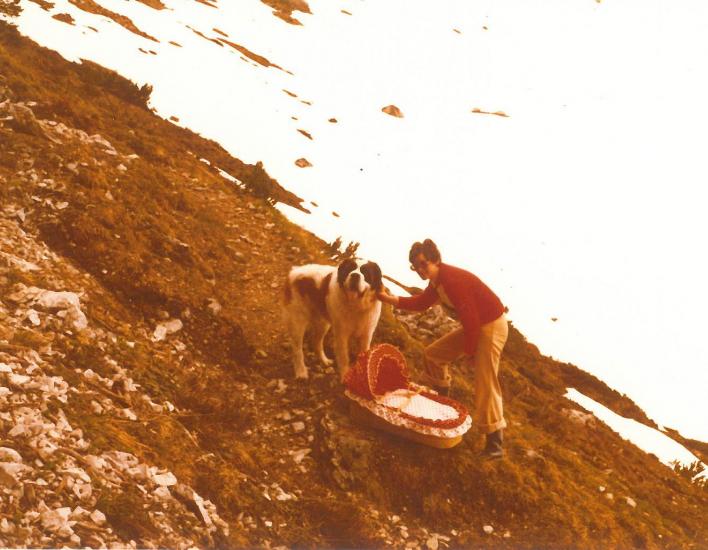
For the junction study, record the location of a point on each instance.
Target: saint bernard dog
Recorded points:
(343, 297)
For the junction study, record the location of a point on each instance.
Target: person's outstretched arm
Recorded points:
(387, 298)
(412, 303)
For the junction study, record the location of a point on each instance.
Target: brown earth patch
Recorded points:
(306, 134)
(283, 9)
(90, 6)
(478, 111)
(303, 163)
(154, 4)
(393, 111)
(254, 56)
(64, 18)
(44, 4)
(199, 33)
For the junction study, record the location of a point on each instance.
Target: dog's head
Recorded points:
(359, 277)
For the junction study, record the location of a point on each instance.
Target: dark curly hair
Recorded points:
(427, 248)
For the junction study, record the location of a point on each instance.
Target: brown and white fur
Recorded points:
(343, 297)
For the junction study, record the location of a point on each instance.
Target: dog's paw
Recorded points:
(302, 374)
(326, 361)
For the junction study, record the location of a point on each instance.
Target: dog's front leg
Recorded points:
(371, 326)
(363, 339)
(319, 330)
(360, 343)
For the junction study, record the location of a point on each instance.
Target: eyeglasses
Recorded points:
(420, 265)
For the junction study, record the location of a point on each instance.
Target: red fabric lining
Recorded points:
(380, 370)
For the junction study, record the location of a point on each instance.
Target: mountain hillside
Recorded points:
(146, 391)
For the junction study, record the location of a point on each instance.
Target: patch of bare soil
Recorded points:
(254, 56)
(284, 9)
(44, 4)
(92, 7)
(207, 3)
(479, 111)
(154, 4)
(205, 37)
(393, 111)
(64, 18)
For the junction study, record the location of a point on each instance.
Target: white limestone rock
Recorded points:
(11, 473)
(164, 329)
(166, 479)
(57, 521)
(9, 455)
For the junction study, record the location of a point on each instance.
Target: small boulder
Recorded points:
(23, 120)
(166, 479)
(168, 327)
(98, 517)
(298, 427)
(214, 306)
(57, 521)
(9, 455)
(11, 472)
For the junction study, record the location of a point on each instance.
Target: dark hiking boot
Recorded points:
(493, 450)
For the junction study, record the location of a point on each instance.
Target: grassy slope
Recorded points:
(169, 235)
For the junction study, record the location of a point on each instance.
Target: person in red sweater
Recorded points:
(482, 335)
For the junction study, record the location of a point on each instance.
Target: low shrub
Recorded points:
(94, 74)
(10, 8)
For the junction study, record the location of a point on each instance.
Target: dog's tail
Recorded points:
(287, 290)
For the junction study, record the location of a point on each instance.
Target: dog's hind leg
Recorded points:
(297, 327)
(341, 351)
(319, 331)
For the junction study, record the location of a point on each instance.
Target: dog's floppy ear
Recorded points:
(372, 275)
(344, 269)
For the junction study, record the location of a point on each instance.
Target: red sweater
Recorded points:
(474, 302)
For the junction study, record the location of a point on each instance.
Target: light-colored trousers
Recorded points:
(488, 409)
